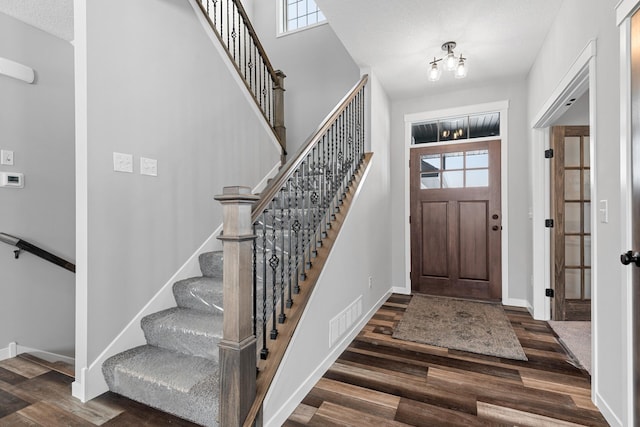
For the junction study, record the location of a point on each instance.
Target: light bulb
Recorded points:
(461, 69)
(434, 72)
(450, 61)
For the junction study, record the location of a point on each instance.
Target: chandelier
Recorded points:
(449, 62)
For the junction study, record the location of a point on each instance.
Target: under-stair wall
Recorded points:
(156, 87)
(356, 278)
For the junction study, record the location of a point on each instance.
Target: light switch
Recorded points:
(123, 162)
(604, 211)
(148, 166)
(6, 157)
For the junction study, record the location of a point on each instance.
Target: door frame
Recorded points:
(501, 107)
(580, 77)
(624, 10)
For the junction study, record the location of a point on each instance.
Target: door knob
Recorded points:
(630, 257)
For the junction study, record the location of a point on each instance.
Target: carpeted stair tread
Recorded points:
(186, 386)
(199, 293)
(188, 331)
(211, 264)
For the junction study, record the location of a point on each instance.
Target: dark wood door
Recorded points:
(456, 220)
(571, 207)
(635, 206)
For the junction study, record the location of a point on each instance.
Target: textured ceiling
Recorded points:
(53, 16)
(398, 38)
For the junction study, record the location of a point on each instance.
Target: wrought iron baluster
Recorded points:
(334, 169)
(297, 226)
(322, 175)
(282, 316)
(289, 241)
(303, 217)
(255, 284)
(274, 261)
(313, 244)
(343, 160)
(244, 55)
(265, 351)
(308, 213)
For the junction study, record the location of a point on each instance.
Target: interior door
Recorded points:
(571, 207)
(456, 220)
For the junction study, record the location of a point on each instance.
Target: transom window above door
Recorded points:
(456, 128)
(461, 169)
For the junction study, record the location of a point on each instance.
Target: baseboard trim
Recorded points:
(45, 354)
(516, 302)
(287, 409)
(9, 351)
(606, 411)
(403, 290)
(14, 349)
(92, 383)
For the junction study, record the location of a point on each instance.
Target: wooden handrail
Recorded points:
(292, 165)
(26, 246)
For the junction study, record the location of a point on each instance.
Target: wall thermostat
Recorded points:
(11, 179)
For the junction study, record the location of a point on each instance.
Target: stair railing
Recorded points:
(23, 245)
(233, 28)
(268, 253)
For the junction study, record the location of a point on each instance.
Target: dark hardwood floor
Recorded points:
(380, 381)
(35, 393)
(377, 381)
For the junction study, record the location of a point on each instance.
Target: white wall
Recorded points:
(319, 71)
(518, 193)
(360, 251)
(579, 21)
(156, 87)
(37, 123)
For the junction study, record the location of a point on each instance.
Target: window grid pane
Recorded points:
(454, 170)
(302, 13)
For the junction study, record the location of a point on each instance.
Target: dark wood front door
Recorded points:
(571, 208)
(456, 220)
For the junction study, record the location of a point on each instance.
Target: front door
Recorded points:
(571, 207)
(456, 220)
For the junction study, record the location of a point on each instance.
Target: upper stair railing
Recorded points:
(234, 30)
(270, 247)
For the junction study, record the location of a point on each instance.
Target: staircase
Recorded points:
(177, 370)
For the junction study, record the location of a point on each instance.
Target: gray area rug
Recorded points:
(576, 337)
(472, 326)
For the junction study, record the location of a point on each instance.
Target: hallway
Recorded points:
(381, 381)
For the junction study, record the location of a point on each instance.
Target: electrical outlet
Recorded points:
(6, 157)
(123, 162)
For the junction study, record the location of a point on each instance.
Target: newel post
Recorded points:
(238, 344)
(278, 118)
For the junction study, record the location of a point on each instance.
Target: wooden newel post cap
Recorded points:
(236, 194)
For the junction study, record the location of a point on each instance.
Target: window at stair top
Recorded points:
(297, 15)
